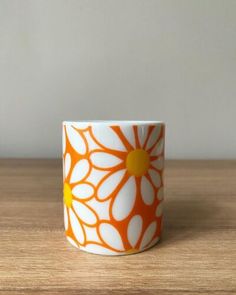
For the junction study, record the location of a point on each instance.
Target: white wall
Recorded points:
(118, 59)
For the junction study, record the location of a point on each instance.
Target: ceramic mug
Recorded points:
(113, 185)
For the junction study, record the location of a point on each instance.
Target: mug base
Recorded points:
(106, 252)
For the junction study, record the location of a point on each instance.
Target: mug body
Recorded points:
(113, 185)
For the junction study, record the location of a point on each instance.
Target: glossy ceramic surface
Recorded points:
(113, 185)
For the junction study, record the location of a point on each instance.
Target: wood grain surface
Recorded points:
(197, 254)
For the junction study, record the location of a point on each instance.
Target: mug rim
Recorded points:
(113, 122)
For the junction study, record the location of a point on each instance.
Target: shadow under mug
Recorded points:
(113, 185)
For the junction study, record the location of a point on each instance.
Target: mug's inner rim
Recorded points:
(112, 122)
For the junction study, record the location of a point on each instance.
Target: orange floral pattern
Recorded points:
(113, 186)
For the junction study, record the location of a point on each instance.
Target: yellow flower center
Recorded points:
(137, 162)
(67, 195)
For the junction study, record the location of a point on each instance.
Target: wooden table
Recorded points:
(197, 254)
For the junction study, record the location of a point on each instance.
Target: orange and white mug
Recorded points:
(113, 185)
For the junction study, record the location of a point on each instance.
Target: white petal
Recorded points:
(65, 218)
(159, 209)
(95, 176)
(124, 201)
(154, 241)
(76, 228)
(72, 241)
(129, 134)
(92, 145)
(97, 249)
(148, 234)
(134, 230)
(160, 194)
(158, 148)
(107, 137)
(104, 160)
(91, 234)
(67, 164)
(101, 208)
(158, 163)
(63, 139)
(76, 140)
(155, 176)
(84, 213)
(110, 184)
(111, 236)
(153, 136)
(142, 134)
(147, 191)
(80, 170)
(83, 191)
